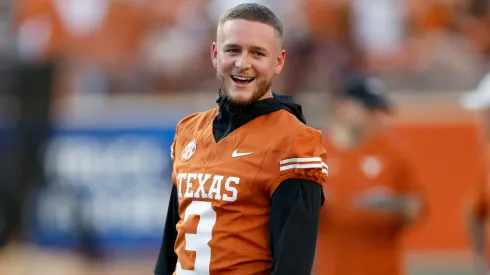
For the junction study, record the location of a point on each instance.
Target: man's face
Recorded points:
(359, 119)
(246, 56)
(351, 114)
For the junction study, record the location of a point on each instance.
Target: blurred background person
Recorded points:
(478, 201)
(373, 193)
(28, 82)
(6, 185)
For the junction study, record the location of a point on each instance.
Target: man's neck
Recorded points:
(267, 95)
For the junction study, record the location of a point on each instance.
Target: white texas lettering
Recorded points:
(207, 186)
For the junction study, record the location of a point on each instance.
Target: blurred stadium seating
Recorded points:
(127, 71)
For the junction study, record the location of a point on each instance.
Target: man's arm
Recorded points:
(409, 208)
(405, 198)
(294, 219)
(167, 259)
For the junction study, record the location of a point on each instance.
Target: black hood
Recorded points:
(287, 103)
(232, 116)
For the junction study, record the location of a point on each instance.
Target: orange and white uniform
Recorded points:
(225, 188)
(356, 240)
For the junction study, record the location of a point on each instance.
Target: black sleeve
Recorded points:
(167, 259)
(294, 218)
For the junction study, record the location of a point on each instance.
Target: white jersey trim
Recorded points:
(299, 163)
(284, 161)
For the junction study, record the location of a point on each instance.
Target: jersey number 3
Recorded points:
(199, 242)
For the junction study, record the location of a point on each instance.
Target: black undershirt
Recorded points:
(295, 205)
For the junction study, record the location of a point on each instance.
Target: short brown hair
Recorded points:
(256, 13)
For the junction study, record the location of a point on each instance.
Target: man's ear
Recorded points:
(214, 55)
(280, 62)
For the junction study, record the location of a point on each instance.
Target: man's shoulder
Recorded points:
(393, 144)
(289, 130)
(295, 151)
(394, 149)
(196, 119)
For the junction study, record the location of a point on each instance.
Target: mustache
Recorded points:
(242, 75)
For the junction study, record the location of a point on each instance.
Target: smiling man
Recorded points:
(247, 78)
(247, 175)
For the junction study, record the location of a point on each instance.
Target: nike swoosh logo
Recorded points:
(235, 154)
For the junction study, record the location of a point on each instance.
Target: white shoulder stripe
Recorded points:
(301, 166)
(300, 163)
(305, 166)
(284, 161)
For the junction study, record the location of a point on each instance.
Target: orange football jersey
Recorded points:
(355, 240)
(225, 188)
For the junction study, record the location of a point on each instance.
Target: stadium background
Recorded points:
(127, 71)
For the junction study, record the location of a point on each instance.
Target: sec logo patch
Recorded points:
(189, 150)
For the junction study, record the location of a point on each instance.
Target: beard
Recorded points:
(260, 89)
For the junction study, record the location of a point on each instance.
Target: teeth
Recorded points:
(243, 78)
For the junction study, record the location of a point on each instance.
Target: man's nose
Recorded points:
(243, 62)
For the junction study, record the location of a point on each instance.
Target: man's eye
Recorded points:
(232, 51)
(259, 54)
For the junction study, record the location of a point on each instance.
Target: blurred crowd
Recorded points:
(148, 46)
